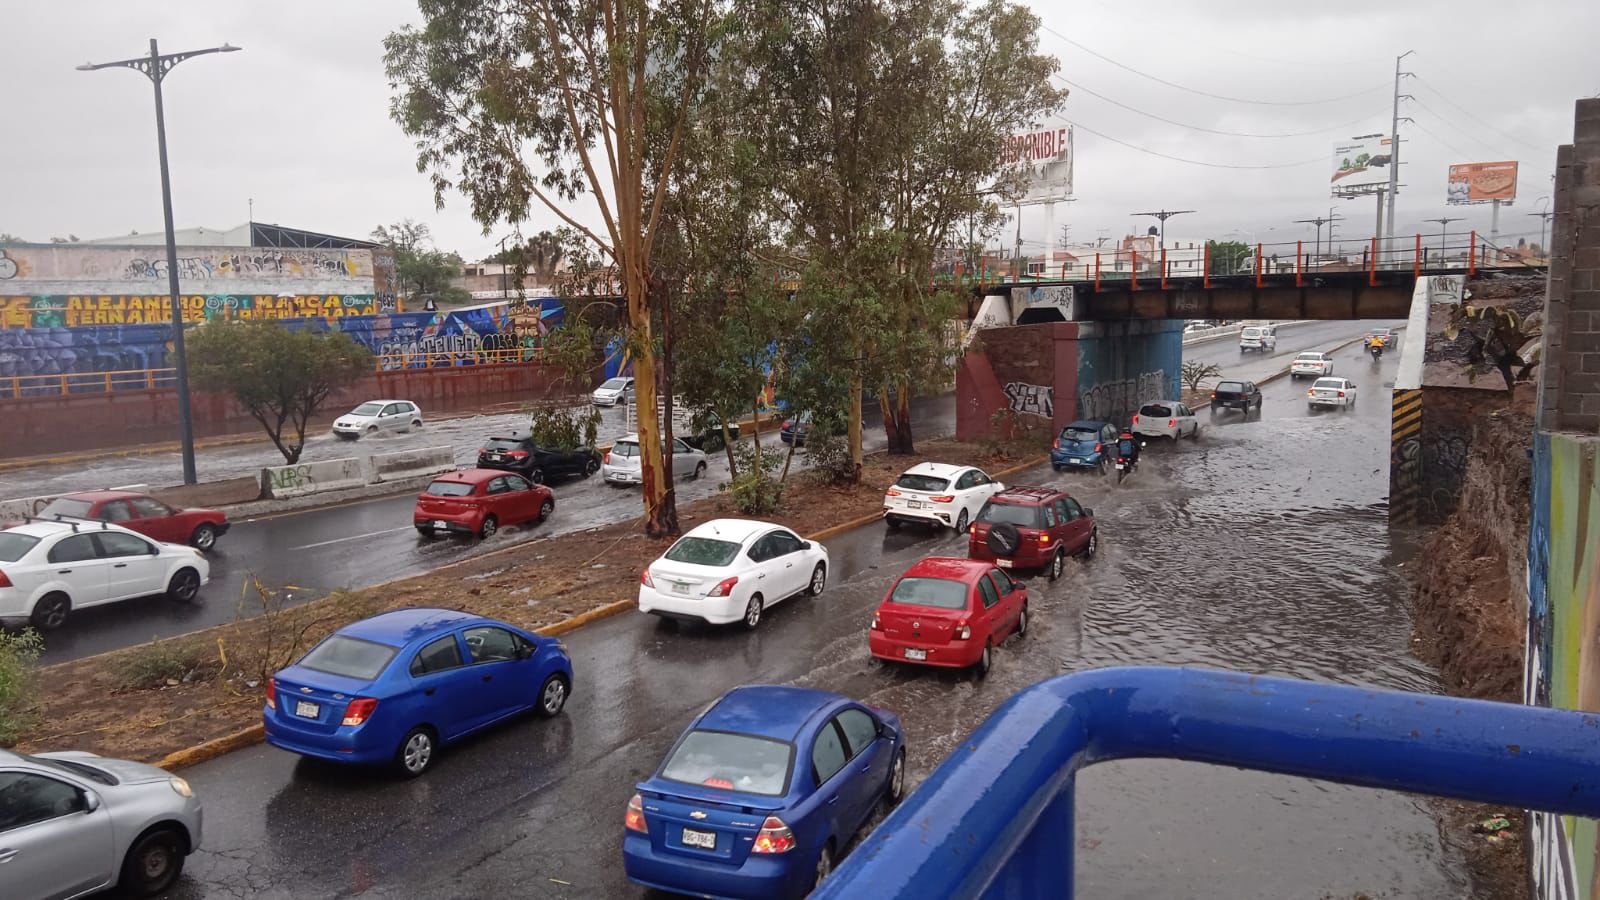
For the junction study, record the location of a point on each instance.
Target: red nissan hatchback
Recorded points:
(480, 501)
(1033, 528)
(948, 612)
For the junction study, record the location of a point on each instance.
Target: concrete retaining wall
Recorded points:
(410, 463)
(278, 482)
(12, 510)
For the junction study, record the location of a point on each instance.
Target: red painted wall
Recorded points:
(1043, 355)
(41, 425)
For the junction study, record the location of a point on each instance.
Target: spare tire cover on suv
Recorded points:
(1004, 539)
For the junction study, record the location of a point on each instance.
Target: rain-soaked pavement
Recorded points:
(1262, 547)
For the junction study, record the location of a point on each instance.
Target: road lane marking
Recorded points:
(353, 537)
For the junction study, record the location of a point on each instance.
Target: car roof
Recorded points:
(950, 568)
(631, 436)
(469, 476)
(767, 710)
(1162, 402)
(382, 401)
(942, 470)
(100, 496)
(402, 626)
(1089, 424)
(1310, 353)
(1029, 496)
(739, 530)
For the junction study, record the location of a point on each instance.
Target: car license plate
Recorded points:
(704, 839)
(1076, 461)
(306, 710)
(912, 653)
(440, 526)
(1003, 563)
(682, 587)
(916, 504)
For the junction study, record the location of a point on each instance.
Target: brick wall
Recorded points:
(1570, 380)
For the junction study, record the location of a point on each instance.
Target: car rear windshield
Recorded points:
(1230, 387)
(921, 482)
(15, 546)
(503, 444)
(349, 657)
(63, 506)
(1313, 357)
(449, 489)
(701, 551)
(1081, 434)
(1250, 332)
(732, 762)
(1158, 411)
(367, 409)
(940, 593)
(1329, 383)
(625, 449)
(1011, 513)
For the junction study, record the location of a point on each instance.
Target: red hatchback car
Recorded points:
(481, 502)
(948, 612)
(199, 528)
(1033, 528)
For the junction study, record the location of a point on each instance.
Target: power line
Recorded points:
(1473, 137)
(1173, 84)
(1321, 160)
(1091, 92)
(1473, 117)
(1446, 144)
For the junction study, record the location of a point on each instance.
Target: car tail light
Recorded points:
(634, 820)
(1044, 537)
(877, 622)
(272, 693)
(972, 529)
(789, 424)
(1099, 447)
(943, 498)
(1341, 393)
(963, 631)
(1172, 423)
(4, 581)
(891, 492)
(1311, 393)
(607, 458)
(359, 710)
(1056, 444)
(1136, 418)
(724, 587)
(644, 579)
(518, 454)
(774, 837)
(482, 451)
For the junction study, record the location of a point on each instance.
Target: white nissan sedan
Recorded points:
(732, 570)
(938, 494)
(1336, 392)
(1311, 364)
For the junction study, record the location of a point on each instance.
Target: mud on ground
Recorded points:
(87, 705)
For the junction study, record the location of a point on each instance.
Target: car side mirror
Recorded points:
(805, 545)
(91, 801)
(524, 651)
(999, 486)
(1088, 512)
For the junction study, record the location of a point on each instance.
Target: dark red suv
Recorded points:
(1032, 528)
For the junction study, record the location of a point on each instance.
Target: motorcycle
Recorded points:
(1127, 465)
(1376, 350)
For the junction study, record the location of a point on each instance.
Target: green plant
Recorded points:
(155, 664)
(19, 654)
(565, 428)
(1011, 435)
(830, 458)
(754, 491)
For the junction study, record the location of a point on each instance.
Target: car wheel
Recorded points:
(536, 475)
(183, 587)
(204, 537)
(961, 521)
(416, 423)
(372, 429)
(553, 696)
(819, 580)
(1105, 466)
(892, 522)
(591, 466)
(752, 612)
(699, 470)
(1093, 547)
(1022, 621)
(545, 509)
(986, 661)
(489, 527)
(896, 791)
(824, 864)
(153, 863)
(50, 612)
(416, 751)
(425, 530)
(1058, 564)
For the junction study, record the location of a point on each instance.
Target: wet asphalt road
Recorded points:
(1263, 547)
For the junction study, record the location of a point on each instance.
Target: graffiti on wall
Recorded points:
(88, 262)
(1031, 399)
(71, 311)
(1114, 400)
(8, 267)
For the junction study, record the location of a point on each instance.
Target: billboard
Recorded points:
(1481, 182)
(1360, 162)
(1043, 160)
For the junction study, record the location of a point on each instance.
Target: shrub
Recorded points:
(830, 459)
(565, 428)
(19, 652)
(754, 490)
(153, 665)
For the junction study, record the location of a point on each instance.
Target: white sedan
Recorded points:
(378, 415)
(1336, 392)
(732, 570)
(939, 494)
(1311, 364)
(1166, 419)
(49, 569)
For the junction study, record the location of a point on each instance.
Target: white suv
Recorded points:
(48, 569)
(1258, 337)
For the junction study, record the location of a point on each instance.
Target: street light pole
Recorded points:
(1164, 215)
(1544, 219)
(1444, 222)
(155, 67)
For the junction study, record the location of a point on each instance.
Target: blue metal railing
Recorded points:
(996, 818)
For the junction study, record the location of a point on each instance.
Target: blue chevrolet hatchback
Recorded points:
(397, 686)
(1082, 445)
(762, 793)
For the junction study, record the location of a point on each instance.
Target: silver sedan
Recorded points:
(73, 823)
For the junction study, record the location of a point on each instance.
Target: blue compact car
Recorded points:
(396, 687)
(762, 793)
(1085, 444)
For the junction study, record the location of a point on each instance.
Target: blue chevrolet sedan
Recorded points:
(1082, 445)
(397, 686)
(762, 793)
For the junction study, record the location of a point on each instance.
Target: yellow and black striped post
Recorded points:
(1405, 457)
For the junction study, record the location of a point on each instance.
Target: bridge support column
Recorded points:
(1405, 457)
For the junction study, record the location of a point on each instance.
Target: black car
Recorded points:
(536, 463)
(1240, 395)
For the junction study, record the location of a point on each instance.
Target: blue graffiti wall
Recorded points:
(1124, 365)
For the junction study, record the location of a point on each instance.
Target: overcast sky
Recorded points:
(299, 122)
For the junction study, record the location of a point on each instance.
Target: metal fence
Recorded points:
(996, 818)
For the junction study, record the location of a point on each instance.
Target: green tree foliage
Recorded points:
(19, 656)
(425, 272)
(280, 377)
(1229, 257)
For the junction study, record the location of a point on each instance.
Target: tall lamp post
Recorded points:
(155, 67)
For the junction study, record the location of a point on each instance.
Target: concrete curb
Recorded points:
(255, 734)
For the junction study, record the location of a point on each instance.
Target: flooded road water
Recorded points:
(1262, 547)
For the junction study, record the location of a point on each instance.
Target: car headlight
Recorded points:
(180, 787)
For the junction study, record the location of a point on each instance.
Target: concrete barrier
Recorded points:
(403, 464)
(22, 507)
(278, 482)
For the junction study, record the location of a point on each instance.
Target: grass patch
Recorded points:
(160, 664)
(19, 655)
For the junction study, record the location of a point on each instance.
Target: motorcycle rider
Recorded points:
(1128, 449)
(1375, 345)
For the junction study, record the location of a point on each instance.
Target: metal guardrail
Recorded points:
(996, 818)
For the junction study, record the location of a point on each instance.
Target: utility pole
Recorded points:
(1394, 141)
(155, 67)
(1544, 219)
(1163, 215)
(1319, 221)
(1443, 221)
